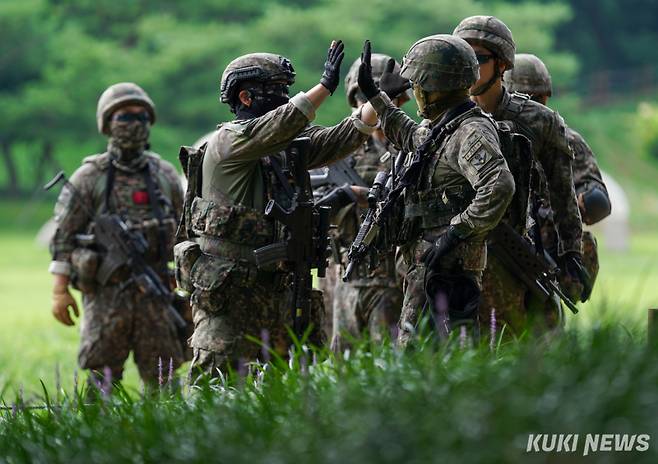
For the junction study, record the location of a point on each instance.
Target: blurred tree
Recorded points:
(60, 55)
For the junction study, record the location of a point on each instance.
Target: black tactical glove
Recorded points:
(365, 80)
(331, 75)
(576, 275)
(338, 198)
(392, 83)
(443, 245)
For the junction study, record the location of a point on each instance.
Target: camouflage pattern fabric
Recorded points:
(586, 172)
(116, 322)
(468, 160)
(242, 304)
(502, 292)
(547, 132)
(235, 181)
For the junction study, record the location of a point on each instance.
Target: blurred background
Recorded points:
(58, 56)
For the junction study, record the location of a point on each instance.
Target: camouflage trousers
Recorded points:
(239, 311)
(460, 285)
(116, 323)
(506, 302)
(374, 308)
(327, 286)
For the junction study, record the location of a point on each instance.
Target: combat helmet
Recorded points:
(258, 67)
(118, 95)
(530, 75)
(441, 63)
(491, 33)
(378, 62)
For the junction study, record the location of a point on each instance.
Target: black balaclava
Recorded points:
(264, 98)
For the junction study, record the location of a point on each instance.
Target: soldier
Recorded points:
(530, 76)
(463, 188)
(145, 191)
(242, 167)
(372, 301)
(494, 46)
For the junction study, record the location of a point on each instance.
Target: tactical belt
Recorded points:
(225, 249)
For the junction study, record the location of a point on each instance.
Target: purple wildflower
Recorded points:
(492, 329)
(106, 388)
(170, 374)
(462, 337)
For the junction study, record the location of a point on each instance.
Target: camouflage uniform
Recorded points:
(117, 320)
(530, 76)
(466, 185)
(372, 299)
(232, 299)
(545, 129)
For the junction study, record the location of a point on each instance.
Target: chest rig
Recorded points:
(427, 206)
(223, 226)
(147, 210)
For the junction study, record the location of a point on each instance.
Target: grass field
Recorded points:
(427, 405)
(35, 346)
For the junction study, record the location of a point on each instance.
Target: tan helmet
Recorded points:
(118, 95)
(259, 67)
(490, 32)
(530, 75)
(441, 62)
(378, 62)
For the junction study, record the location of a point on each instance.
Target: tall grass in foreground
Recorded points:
(428, 404)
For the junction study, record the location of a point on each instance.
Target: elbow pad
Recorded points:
(596, 204)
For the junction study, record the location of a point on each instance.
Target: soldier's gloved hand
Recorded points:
(338, 197)
(443, 245)
(365, 80)
(62, 300)
(331, 75)
(392, 83)
(575, 277)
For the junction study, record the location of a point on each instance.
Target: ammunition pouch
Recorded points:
(84, 267)
(234, 223)
(185, 255)
(437, 206)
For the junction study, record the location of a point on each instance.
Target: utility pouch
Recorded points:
(185, 255)
(84, 266)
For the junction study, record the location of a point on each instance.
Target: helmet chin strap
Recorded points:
(487, 85)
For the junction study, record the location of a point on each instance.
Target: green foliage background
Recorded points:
(59, 56)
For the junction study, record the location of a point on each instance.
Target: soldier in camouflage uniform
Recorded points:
(372, 300)
(117, 317)
(494, 46)
(241, 170)
(464, 187)
(530, 76)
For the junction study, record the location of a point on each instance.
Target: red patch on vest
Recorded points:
(140, 197)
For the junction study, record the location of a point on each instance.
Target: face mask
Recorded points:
(264, 100)
(129, 137)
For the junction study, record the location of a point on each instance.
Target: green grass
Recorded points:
(424, 405)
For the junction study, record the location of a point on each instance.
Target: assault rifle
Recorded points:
(306, 236)
(375, 233)
(519, 256)
(123, 249)
(337, 174)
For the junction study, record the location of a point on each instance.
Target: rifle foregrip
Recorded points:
(271, 254)
(347, 275)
